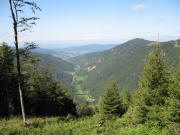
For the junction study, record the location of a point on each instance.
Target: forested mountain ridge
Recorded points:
(58, 67)
(132, 88)
(123, 63)
(60, 63)
(156, 102)
(42, 88)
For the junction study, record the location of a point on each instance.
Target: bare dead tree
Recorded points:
(21, 24)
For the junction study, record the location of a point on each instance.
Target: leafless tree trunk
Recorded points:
(25, 23)
(18, 60)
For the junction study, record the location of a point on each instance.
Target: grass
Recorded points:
(81, 78)
(84, 94)
(82, 126)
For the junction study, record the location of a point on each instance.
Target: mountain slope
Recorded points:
(87, 48)
(59, 68)
(123, 63)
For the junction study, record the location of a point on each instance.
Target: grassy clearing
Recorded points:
(82, 126)
(82, 94)
(81, 78)
(78, 80)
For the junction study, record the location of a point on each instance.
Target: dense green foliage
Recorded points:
(83, 126)
(42, 94)
(154, 109)
(127, 100)
(58, 66)
(46, 97)
(85, 110)
(111, 104)
(157, 99)
(123, 63)
(154, 88)
(173, 102)
(8, 81)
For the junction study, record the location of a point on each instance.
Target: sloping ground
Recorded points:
(84, 126)
(58, 67)
(123, 63)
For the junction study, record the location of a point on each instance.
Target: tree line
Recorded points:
(43, 96)
(157, 100)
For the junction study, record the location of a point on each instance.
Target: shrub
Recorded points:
(86, 110)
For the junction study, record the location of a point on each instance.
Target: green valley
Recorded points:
(123, 63)
(93, 67)
(89, 74)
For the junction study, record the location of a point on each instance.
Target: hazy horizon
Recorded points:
(75, 23)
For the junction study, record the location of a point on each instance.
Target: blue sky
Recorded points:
(98, 21)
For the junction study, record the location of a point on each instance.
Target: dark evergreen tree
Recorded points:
(6, 69)
(9, 98)
(154, 87)
(127, 99)
(111, 103)
(47, 97)
(173, 102)
(42, 94)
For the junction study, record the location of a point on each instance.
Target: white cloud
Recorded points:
(139, 7)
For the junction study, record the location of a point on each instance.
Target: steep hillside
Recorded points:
(59, 67)
(80, 60)
(123, 63)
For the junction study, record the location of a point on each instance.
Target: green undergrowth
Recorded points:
(82, 126)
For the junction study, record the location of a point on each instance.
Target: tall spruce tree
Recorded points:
(154, 87)
(127, 99)
(111, 102)
(173, 102)
(6, 73)
(46, 97)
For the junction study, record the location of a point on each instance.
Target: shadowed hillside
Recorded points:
(123, 63)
